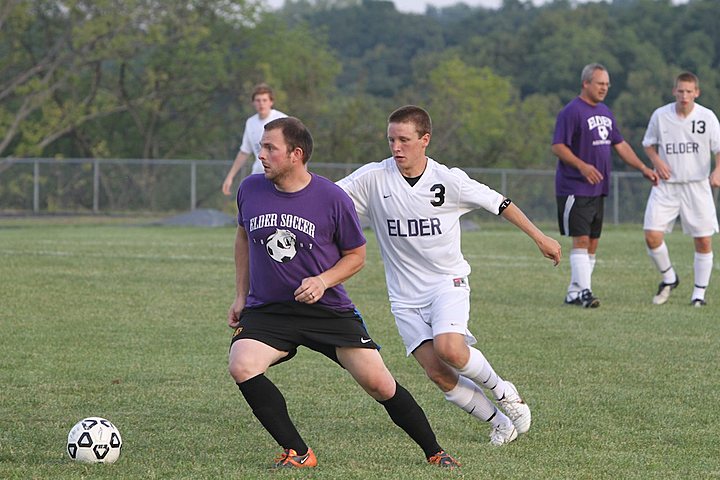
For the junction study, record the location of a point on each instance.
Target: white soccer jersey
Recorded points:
(254, 129)
(418, 227)
(685, 144)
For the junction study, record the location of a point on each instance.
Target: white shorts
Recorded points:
(449, 312)
(693, 202)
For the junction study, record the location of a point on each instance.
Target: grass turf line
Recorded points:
(129, 323)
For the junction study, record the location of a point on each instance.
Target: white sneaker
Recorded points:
(515, 408)
(503, 434)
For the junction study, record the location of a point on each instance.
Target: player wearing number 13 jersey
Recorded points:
(414, 205)
(681, 139)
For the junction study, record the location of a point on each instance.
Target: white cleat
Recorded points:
(515, 408)
(664, 290)
(503, 434)
(698, 302)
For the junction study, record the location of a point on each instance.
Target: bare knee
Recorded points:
(453, 358)
(452, 349)
(381, 388)
(703, 244)
(653, 239)
(582, 242)
(239, 372)
(249, 358)
(443, 376)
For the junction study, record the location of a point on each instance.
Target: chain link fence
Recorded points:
(34, 186)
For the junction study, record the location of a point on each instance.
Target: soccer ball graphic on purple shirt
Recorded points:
(281, 246)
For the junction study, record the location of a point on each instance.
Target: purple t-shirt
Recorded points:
(590, 132)
(296, 235)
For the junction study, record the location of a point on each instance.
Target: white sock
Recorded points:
(661, 258)
(478, 370)
(472, 399)
(580, 272)
(591, 258)
(703, 268)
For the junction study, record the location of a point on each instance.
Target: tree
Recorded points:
(480, 120)
(42, 58)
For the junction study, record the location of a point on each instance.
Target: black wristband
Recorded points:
(505, 203)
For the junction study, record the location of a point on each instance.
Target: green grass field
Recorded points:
(128, 322)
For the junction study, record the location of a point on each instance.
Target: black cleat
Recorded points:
(585, 299)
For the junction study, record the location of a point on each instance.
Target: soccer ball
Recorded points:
(281, 246)
(94, 440)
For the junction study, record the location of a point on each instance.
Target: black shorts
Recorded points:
(580, 216)
(286, 326)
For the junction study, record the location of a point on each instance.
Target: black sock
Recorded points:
(268, 405)
(407, 414)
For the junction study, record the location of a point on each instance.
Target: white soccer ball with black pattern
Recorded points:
(94, 440)
(281, 245)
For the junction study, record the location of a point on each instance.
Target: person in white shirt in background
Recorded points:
(681, 139)
(263, 100)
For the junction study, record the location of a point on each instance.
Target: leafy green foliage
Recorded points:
(157, 79)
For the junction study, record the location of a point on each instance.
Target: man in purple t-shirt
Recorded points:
(298, 239)
(585, 131)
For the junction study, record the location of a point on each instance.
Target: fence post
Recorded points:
(36, 186)
(503, 183)
(96, 186)
(193, 185)
(616, 200)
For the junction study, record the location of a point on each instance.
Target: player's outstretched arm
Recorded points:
(549, 247)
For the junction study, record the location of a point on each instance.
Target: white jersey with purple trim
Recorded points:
(418, 227)
(685, 144)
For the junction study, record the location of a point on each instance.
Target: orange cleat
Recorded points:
(444, 460)
(290, 459)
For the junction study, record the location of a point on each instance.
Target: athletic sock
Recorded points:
(268, 405)
(479, 370)
(580, 272)
(592, 260)
(470, 397)
(661, 258)
(407, 414)
(703, 265)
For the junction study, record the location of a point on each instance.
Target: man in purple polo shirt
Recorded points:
(585, 131)
(298, 239)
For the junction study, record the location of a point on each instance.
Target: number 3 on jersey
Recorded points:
(439, 190)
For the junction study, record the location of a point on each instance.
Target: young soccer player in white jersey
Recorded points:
(414, 205)
(263, 101)
(681, 139)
